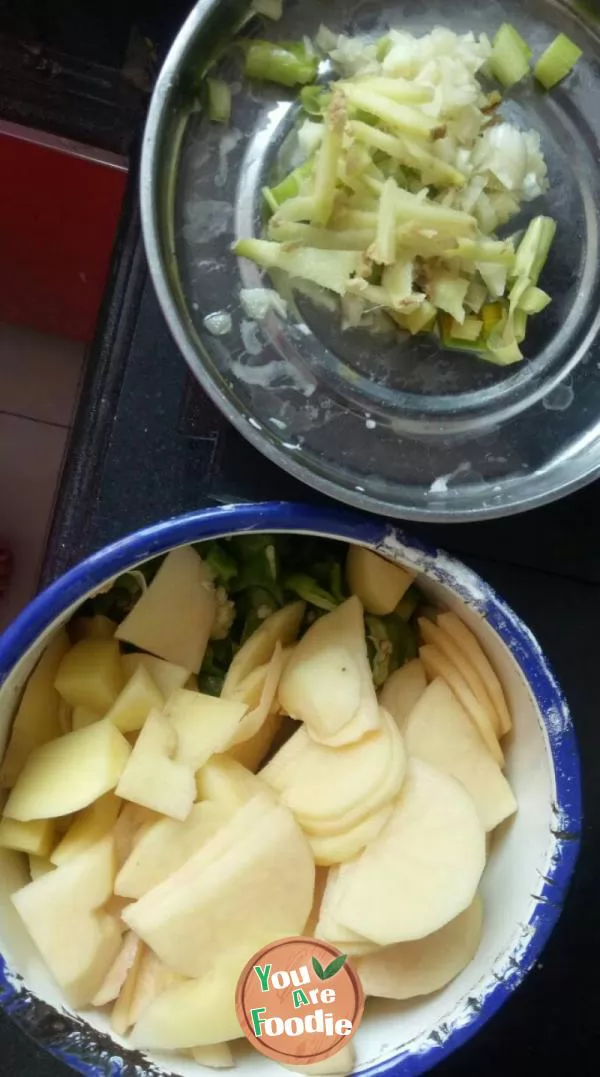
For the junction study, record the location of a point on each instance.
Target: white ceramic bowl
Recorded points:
(533, 855)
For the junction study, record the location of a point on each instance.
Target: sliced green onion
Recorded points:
(534, 300)
(510, 56)
(269, 199)
(223, 566)
(288, 64)
(314, 99)
(307, 588)
(219, 100)
(271, 9)
(557, 61)
(382, 47)
(534, 248)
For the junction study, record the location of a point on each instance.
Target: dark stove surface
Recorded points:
(148, 445)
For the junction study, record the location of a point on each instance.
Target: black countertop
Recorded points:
(148, 445)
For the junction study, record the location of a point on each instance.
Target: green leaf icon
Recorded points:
(318, 968)
(335, 966)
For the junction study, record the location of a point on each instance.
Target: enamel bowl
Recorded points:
(530, 866)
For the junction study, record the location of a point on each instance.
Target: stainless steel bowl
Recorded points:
(395, 426)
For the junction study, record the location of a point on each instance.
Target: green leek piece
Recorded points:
(419, 320)
(272, 203)
(307, 588)
(314, 100)
(534, 248)
(476, 295)
(534, 300)
(382, 47)
(470, 329)
(290, 185)
(329, 269)
(447, 292)
(219, 100)
(328, 155)
(510, 56)
(271, 9)
(557, 61)
(223, 566)
(287, 63)
(446, 323)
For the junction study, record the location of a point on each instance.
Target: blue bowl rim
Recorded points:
(95, 1055)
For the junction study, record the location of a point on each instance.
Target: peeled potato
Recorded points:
(90, 675)
(325, 784)
(152, 777)
(116, 976)
(204, 725)
(88, 828)
(328, 682)
(439, 731)
(328, 928)
(380, 584)
(174, 616)
(425, 965)
(258, 861)
(35, 838)
(319, 890)
(402, 689)
(150, 980)
(165, 846)
(195, 1012)
(227, 783)
(431, 633)
(254, 719)
(473, 652)
(424, 867)
(166, 675)
(37, 720)
(135, 701)
(69, 773)
(337, 848)
(437, 665)
(217, 1056)
(281, 627)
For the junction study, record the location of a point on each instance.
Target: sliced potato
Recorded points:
(133, 820)
(135, 701)
(88, 828)
(337, 848)
(259, 860)
(328, 683)
(473, 652)
(165, 846)
(174, 617)
(227, 783)
(313, 916)
(250, 753)
(437, 665)
(90, 675)
(377, 582)
(96, 627)
(424, 965)
(322, 784)
(328, 928)
(402, 689)
(35, 838)
(281, 627)
(432, 633)
(62, 912)
(120, 1018)
(217, 1056)
(440, 732)
(254, 719)
(37, 720)
(82, 717)
(204, 725)
(194, 1013)
(424, 867)
(116, 976)
(152, 777)
(38, 866)
(69, 773)
(166, 675)
(152, 978)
